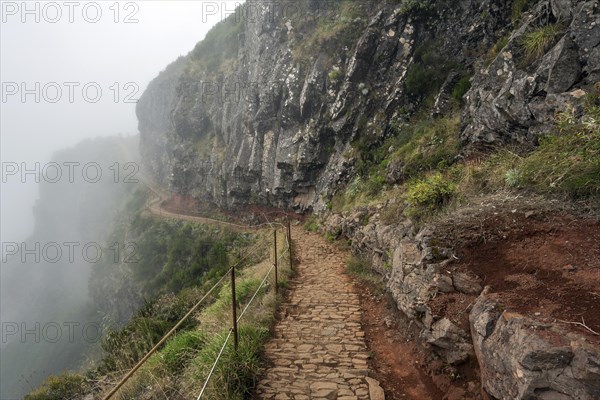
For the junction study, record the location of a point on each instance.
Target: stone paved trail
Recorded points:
(318, 350)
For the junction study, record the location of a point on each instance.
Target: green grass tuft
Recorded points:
(568, 161)
(537, 42)
(235, 376)
(427, 145)
(181, 349)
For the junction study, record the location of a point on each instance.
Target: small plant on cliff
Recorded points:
(324, 34)
(519, 6)
(335, 75)
(362, 269)
(566, 162)
(426, 145)
(312, 224)
(428, 194)
(414, 5)
(460, 89)
(512, 177)
(538, 41)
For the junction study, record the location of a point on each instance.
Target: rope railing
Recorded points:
(212, 370)
(247, 255)
(255, 294)
(236, 319)
(164, 338)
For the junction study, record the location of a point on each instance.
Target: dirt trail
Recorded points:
(318, 350)
(155, 207)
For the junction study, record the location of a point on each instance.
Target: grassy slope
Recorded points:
(565, 165)
(181, 365)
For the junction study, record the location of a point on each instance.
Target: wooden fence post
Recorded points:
(289, 240)
(275, 256)
(234, 310)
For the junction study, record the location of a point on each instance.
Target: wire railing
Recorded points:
(165, 337)
(233, 331)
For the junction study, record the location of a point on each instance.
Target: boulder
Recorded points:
(561, 66)
(448, 340)
(466, 283)
(520, 358)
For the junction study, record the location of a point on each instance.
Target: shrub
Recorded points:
(58, 387)
(428, 194)
(331, 237)
(334, 75)
(414, 5)
(357, 265)
(326, 35)
(124, 348)
(174, 255)
(375, 184)
(218, 51)
(418, 80)
(429, 71)
(354, 188)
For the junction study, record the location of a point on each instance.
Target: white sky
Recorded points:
(102, 53)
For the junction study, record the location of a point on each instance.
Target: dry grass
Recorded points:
(179, 369)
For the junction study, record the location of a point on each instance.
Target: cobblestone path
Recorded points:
(318, 350)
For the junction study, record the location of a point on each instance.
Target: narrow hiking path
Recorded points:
(155, 207)
(318, 350)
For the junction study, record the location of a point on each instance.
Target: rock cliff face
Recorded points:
(513, 99)
(264, 110)
(270, 107)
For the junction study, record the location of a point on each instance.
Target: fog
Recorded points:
(104, 53)
(64, 82)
